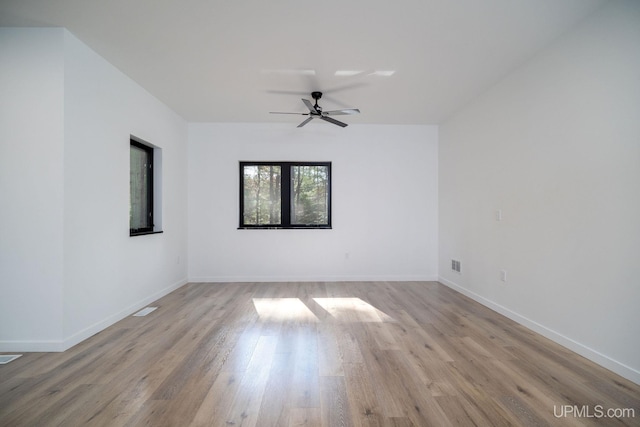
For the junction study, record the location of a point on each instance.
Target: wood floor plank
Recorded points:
(276, 406)
(460, 413)
(305, 417)
(248, 399)
(365, 409)
(383, 334)
(420, 407)
(330, 361)
(305, 385)
(214, 407)
(398, 422)
(335, 410)
(313, 354)
(348, 344)
(386, 382)
(486, 402)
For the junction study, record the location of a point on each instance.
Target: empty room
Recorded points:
(298, 213)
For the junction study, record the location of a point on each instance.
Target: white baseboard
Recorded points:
(103, 324)
(254, 279)
(603, 360)
(58, 346)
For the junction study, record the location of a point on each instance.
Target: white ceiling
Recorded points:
(236, 60)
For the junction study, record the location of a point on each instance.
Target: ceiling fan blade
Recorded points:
(280, 112)
(309, 105)
(334, 121)
(341, 112)
(344, 87)
(289, 92)
(305, 122)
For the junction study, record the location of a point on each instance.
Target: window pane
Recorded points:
(140, 187)
(262, 204)
(310, 195)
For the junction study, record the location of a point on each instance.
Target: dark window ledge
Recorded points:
(322, 227)
(143, 233)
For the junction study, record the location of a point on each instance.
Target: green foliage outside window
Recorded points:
(285, 195)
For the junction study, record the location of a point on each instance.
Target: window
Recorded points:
(141, 189)
(285, 195)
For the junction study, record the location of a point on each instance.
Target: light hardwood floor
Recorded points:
(314, 354)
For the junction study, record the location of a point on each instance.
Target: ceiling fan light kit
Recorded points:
(316, 112)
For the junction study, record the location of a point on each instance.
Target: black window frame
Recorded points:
(285, 194)
(149, 229)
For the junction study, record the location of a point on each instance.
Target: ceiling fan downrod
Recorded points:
(316, 96)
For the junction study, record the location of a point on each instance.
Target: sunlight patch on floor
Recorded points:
(281, 309)
(352, 310)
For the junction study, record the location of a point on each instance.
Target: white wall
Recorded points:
(384, 204)
(69, 266)
(556, 147)
(31, 189)
(107, 273)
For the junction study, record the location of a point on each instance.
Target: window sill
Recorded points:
(144, 233)
(311, 227)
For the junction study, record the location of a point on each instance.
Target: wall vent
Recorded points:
(455, 265)
(6, 358)
(145, 311)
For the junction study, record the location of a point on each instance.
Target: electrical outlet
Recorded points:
(503, 275)
(455, 265)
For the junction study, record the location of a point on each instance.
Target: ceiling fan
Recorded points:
(315, 112)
